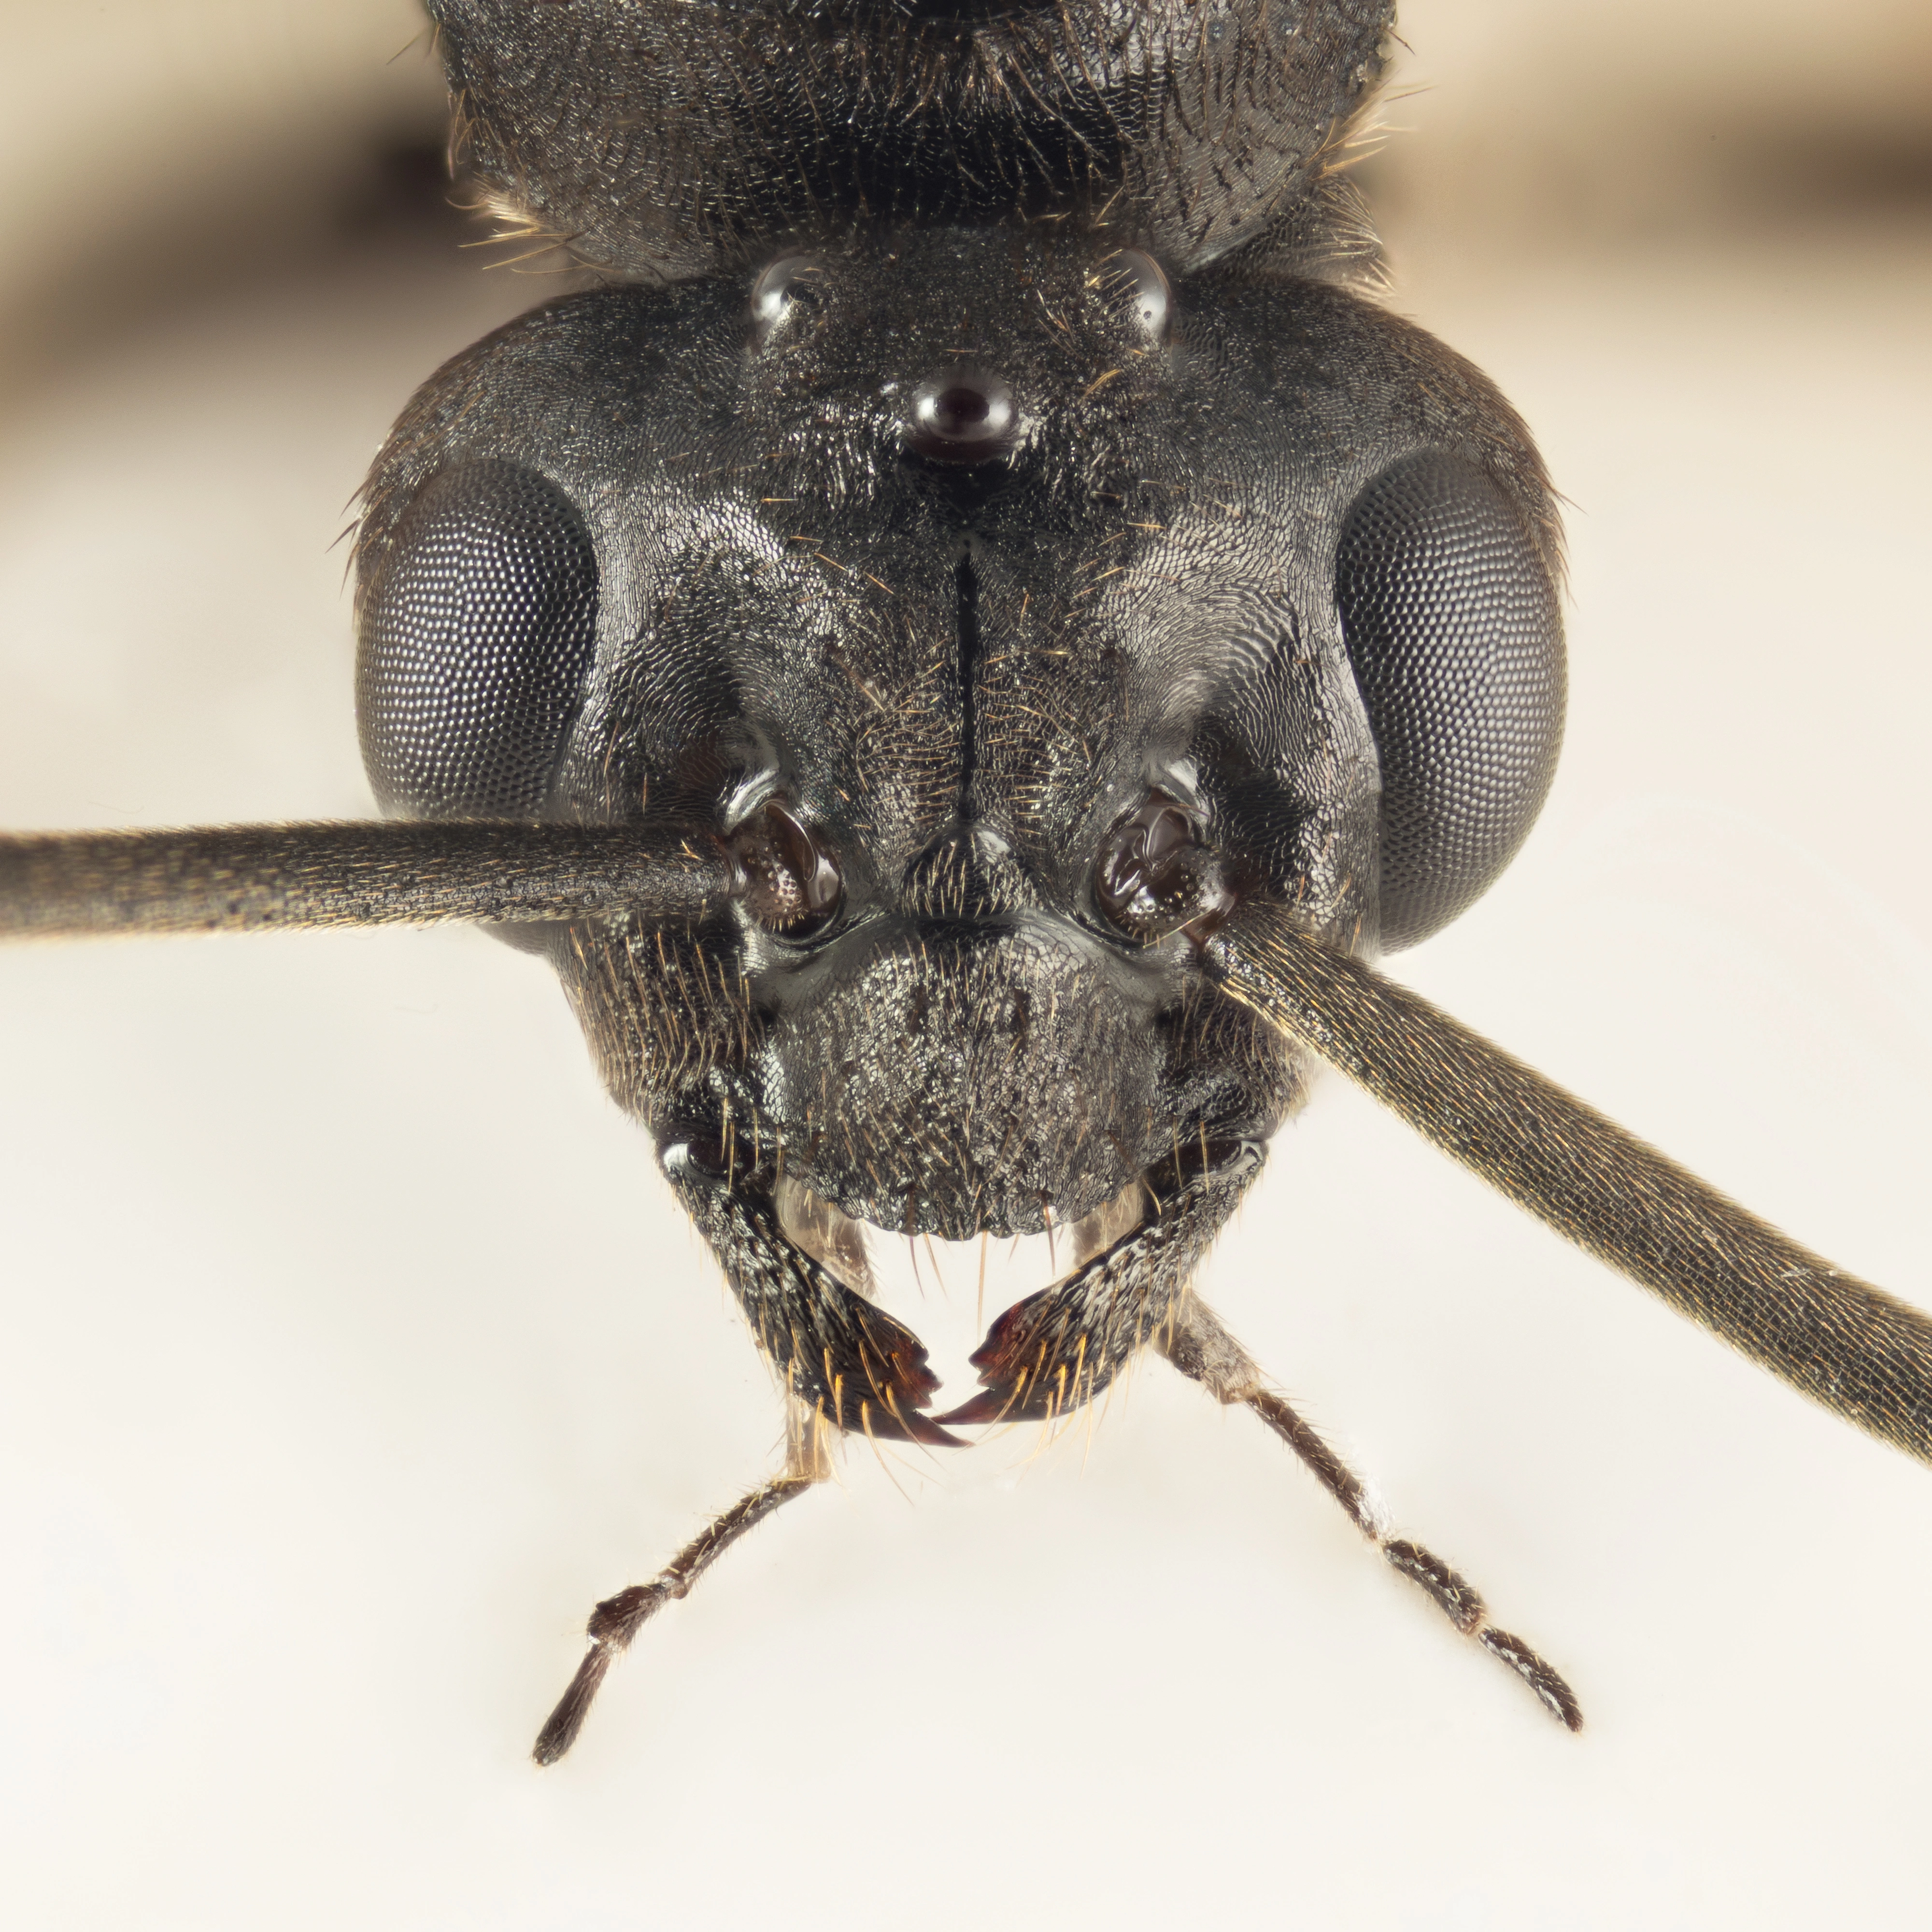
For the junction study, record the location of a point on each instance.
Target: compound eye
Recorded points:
(1156, 877)
(1134, 287)
(785, 873)
(1451, 619)
(791, 280)
(478, 625)
(963, 417)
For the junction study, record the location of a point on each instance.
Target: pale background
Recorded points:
(352, 1349)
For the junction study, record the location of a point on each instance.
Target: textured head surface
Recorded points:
(956, 684)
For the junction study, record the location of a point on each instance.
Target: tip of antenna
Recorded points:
(560, 1731)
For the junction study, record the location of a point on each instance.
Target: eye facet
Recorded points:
(787, 876)
(1450, 619)
(1135, 287)
(1155, 877)
(962, 416)
(790, 280)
